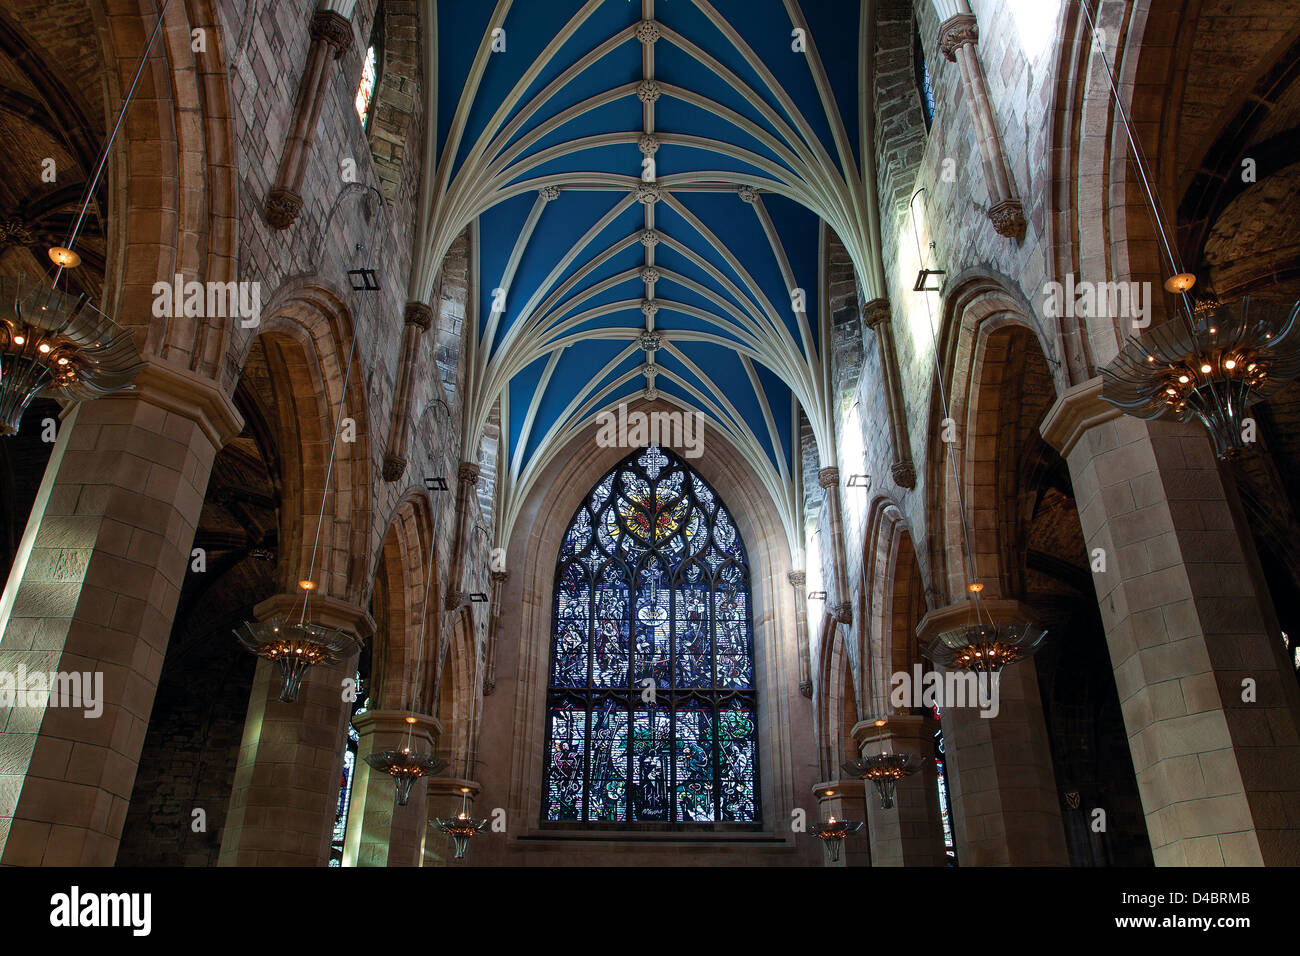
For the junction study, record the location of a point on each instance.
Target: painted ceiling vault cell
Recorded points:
(647, 165)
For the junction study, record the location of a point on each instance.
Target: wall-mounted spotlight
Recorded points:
(478, 597)
(859, 481)
(817, 595)
(436, 484)
(923, 280)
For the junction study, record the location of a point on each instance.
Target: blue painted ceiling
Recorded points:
(697, 224)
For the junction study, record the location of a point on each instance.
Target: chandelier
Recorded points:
(884, 770)
(1209, 367)
(833, 833)
(294, 646)
(985, 648)
(462, 826)
(405, 768)
(50, 340)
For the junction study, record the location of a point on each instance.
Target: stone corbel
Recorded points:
(829, 479)
(331, 37)
(499, 579)
(466, 480)
(419, 319)
(958, 36)
(876, 316)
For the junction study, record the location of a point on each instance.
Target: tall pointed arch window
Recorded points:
(651, 707)
(371, 66)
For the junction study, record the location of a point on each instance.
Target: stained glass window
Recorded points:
(345, 779)
(924, 88)
(651, 710)
(366, 90)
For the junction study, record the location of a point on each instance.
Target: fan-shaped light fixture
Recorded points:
(53, 341)
(405, 768)
(462, 827)
(884, 770)
(834, 832)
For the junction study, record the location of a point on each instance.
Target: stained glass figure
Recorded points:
(651, 712)
(366, 89)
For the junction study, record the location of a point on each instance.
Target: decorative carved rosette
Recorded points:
(549, 193)
(649, 238)
(647, 31)
(647, 91)
(747, 194)
(648, 144)
(649, 340)
(648, 193)
(649, 307)
(649, 274)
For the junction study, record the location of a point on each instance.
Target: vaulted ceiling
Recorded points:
(648, 183)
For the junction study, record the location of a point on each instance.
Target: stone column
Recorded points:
(92, 591)
(499, 579)
(829, 479)
(1209, 703)
(331, 37)
(876, 316)
(958, 36)
(843, 799)
(445, 798)
(798, 580)
(285, 793)
(911, 833)
(1005, 806)
(380, 833)
(466, 480)
(419, 319)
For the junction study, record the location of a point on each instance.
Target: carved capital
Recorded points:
(420, 315)
(798, 578)
(843, 612)
(956, 32)
(467, 473)
(904, 473)
(454, 599)
(828, 477)
(282, 207)
(805, 688)
(1008, 218)
(394, 467)
(499, 577)
(334, 28)
(876, 312)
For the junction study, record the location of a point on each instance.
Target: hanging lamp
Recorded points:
(1213, 360)
(462, 826)
(298, 645)
(988, 644)
(50, 340)
(834, 832)
(883, 768)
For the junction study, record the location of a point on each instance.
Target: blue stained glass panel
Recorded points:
(652, 593)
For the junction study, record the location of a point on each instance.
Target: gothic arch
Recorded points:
(985, 327)
(895, 603)
(305, 338)
(515, 723)
(457, 699)
(835, 701)
(405, 644)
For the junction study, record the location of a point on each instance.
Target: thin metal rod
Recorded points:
(103, 156)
